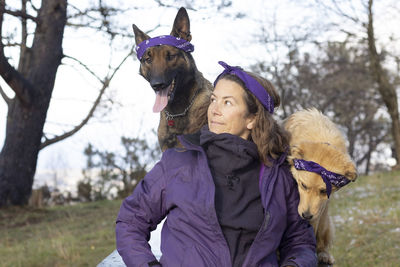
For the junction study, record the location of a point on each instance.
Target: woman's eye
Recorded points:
(229, 103)
(213, 100)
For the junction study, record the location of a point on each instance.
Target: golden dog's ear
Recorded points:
(296, 152)
(351, 171)
(181, 26)
(139, 35)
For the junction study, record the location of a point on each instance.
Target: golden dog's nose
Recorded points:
(307, 215)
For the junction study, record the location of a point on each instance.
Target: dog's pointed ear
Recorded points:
(139, 35)
(181, 26)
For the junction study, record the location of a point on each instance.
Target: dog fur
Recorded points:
(315, 138)
(164, 65)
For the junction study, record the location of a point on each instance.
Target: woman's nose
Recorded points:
(215, 109)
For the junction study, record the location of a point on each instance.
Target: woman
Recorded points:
(228, 195)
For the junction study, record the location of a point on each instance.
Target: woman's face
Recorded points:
(228, 112)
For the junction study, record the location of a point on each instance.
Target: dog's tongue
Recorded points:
(161, 99)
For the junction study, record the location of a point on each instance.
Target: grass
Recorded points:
(79, 235)
(366, 215)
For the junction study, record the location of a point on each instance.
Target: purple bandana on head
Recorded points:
(163, 40)
(329, 178)
(255, 88)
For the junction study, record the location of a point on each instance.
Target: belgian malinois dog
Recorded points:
(182, 93)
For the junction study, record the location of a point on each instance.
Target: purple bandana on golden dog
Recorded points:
(329, 178)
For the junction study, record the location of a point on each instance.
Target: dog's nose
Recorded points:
(158, 85)
(307, 215)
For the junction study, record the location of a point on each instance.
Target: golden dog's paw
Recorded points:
(325, 259)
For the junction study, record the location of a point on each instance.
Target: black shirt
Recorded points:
(235, 166)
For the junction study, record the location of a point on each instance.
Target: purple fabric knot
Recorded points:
(163, 40)
(329, 178)
(254, 87)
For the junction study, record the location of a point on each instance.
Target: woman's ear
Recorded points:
(251, 121)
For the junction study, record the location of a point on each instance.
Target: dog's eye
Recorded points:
(304, 186)
(147, 60)
(322, 191)
(170, 57)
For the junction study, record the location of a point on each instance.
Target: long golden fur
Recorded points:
(315, 138)
(163, 66)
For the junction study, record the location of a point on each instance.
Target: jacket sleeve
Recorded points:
(298, 244)
(140, 213)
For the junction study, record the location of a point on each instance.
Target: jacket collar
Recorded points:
(192, 142)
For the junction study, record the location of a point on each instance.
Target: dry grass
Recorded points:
(80, 235)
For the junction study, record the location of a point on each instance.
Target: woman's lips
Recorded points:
(216, 122)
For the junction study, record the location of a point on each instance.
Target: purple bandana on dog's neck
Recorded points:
(163, 40)
(255, 88)
(329, 178)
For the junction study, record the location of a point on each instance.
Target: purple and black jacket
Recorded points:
(181, 187)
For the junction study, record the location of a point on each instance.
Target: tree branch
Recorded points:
(371, 149)
(8, 44)
(20, 14)
(160, 3)
(15, 80)
(12, 77)
(85, 67)
(337, 10)
(99, 28)
(106, 83)
(24, 36)
(4, 95)
(33, 6)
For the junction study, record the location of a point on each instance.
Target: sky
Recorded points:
(215, 37)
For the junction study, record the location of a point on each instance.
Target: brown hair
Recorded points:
(271, 138)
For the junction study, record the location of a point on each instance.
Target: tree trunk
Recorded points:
(25, 119)
(371, 148)
(386, 89)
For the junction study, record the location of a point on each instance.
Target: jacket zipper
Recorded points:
(263, 228)
(265, 222)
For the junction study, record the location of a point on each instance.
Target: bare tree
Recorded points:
(33, 83)
(358, 23)
(386, 88)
